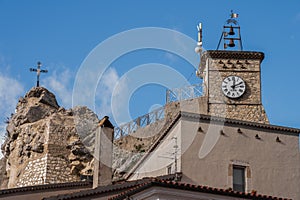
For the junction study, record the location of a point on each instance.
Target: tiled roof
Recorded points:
(190, 187)
(109, 190)
(121, 190)
(39, 188)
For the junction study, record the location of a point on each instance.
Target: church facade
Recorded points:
(220, 145)
(229, 143)
(224, 139)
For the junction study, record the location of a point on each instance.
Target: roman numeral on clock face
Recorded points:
(233, 87)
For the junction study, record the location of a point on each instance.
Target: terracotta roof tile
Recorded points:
(38, 188)
(190, 187)
(119, 187)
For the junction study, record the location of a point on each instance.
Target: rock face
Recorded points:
(48, 144)
(43, 144)
(3, 175)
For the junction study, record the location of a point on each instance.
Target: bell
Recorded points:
(231, 31)
(231, 43)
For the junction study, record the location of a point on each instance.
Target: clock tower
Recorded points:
(232, 79)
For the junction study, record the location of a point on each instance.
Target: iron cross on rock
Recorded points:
(38, 72)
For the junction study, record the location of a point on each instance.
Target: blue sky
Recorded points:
(61, 34)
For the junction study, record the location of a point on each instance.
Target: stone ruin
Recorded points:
(42, 144)
(46, 143)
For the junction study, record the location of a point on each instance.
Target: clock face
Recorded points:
(233, 86)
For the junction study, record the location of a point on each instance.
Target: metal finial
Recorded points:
(234, 15)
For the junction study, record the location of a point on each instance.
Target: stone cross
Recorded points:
(38, 72)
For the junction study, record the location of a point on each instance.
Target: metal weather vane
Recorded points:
(38, 71)
(231, 33)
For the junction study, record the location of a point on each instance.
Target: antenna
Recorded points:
(174, 155)
(198, 48)
(229, 35)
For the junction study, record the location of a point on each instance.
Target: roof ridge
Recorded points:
(111, 188)
(45, 186)
(191, 187)
(240, 122)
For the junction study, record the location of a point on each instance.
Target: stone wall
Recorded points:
(34, 173)
(246, 65)
(42, 149)
(253, 113)
(61, 158)
(46, 170)
(59, 171)
(251, 95)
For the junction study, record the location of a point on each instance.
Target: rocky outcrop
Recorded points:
(43, 143)
(3, 175)
(49, 144)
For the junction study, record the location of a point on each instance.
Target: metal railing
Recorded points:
(140, 122)
(184, 93)
(174, 95)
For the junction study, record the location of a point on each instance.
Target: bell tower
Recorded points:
(232, 77)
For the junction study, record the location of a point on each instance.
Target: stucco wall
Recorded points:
(272, 168)
(157, 162)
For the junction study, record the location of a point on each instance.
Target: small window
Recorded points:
(169, 169)
(239, 178)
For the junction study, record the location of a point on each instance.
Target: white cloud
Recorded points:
(10, 91)
(59, 83)
(105, 89)
(120, 100)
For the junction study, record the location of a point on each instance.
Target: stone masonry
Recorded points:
(216, 66)
(43, 145)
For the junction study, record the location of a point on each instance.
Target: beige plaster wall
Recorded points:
(157, 162)
(272, 168)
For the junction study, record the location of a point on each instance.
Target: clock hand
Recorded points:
(233, 85)
(238, 84)
(233, 82)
